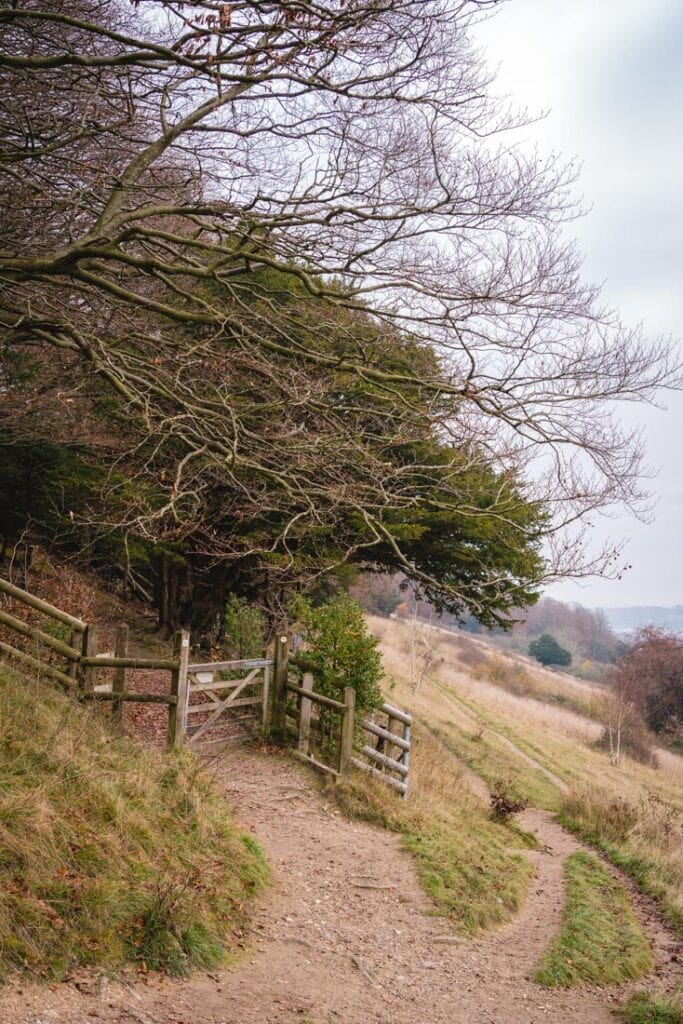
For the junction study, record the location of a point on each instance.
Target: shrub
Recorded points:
(547, 650)
(340, 650)
(503, 802)
(626, 733)
(244, 628)
(606, 817)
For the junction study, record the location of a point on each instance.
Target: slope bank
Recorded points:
(109, 853)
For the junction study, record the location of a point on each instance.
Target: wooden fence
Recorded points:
(83, 663)
(374, 753)
(220, 707)
(380, 759)
(75, 664)
(346, 711)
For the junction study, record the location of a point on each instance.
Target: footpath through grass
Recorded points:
(463, 858)
(110, 853)
(600, 940)
(644, 839)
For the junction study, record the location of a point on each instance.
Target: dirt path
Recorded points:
(345, 935)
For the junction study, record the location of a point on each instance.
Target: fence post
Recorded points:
(75, 641)
(405, 759)
(177, 712)
(265, 709)
(119, 682)
(280, 671)
(348, 726)
(305, 716)
(87, 673)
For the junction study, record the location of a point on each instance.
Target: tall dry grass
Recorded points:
(633, 811)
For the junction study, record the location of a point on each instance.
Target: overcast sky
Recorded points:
(609, 73)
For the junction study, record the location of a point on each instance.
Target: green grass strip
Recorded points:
(600, 940)
(645, 1009)
(650, 877)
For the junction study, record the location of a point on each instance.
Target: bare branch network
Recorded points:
(261, 249)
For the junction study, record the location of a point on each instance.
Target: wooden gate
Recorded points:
(226, 700)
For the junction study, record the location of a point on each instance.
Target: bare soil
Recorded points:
(345, 934)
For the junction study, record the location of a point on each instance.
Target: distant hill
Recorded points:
(625, 620)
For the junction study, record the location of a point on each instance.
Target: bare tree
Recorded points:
(167, 166)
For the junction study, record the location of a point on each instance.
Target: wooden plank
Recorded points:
(265, 698)
(348, 725)
(111, 661)
(224, 666)
(217, 711)
(87, 673)
(42, 606)
(226, 684)
(317, 698)
(177, 712)
(402, 787)
(244, 702)
(304, 723)
(37, 634)
(309, 759)
(406, 756)
(401, 716)
(280, 670)
(136, 698)
(240, 728)
(386, 734)
(47, 670)
(119, 680)
(386, 762)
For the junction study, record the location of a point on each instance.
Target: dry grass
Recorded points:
(110, 853)
(507, 687)
(471, 713)
(644, 837)
(464, 859)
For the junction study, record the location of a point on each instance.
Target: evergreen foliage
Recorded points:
(340, 650)
(547, 650)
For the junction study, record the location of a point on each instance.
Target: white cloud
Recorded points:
(609, 75)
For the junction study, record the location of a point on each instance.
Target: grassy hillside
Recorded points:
(110, 853)
(634, 812)
(466, 861)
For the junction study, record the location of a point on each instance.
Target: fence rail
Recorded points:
(82, 660)
(307, 699)
(379, 759)
(384, 752)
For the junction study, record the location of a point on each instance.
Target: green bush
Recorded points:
(547, 650)
(340, 650)
(244, 628)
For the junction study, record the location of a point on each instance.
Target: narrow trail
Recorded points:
(345, 934)
(455, 702)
